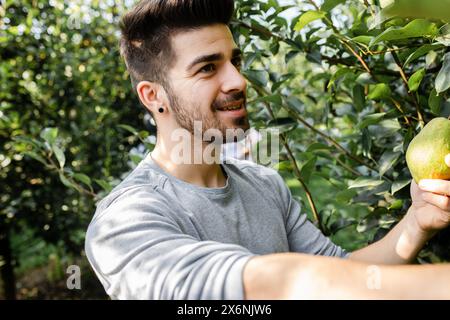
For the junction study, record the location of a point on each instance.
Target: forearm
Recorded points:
(299, 276)
(400, 246)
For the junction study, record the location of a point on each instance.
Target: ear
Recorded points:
(150, 95)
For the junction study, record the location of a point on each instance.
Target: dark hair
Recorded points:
(147, 28)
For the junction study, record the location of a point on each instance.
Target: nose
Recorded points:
(233, 80)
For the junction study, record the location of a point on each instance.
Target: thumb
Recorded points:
(447, 159)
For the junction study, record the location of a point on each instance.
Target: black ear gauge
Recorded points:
(161, 109)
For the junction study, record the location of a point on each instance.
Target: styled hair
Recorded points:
(146, 30)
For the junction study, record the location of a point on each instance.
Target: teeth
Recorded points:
(230, 108)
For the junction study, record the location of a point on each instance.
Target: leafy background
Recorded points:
(349, 83)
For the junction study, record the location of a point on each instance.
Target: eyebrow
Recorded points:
(236, 52)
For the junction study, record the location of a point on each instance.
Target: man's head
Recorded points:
(181, 56)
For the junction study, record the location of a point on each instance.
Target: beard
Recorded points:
(186, 114)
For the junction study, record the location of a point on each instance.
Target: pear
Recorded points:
(426, 152)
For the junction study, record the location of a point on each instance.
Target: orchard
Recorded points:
(349, 84)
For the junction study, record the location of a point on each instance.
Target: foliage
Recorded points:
(354, 83)
(360, 82)
(64, 90)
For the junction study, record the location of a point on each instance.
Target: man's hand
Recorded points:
(431, 204)
(429, 213)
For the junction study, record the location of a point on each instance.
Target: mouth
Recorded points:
(234, 106)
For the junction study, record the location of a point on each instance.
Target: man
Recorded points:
(196, 229)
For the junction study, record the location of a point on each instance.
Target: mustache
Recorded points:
(232, 97)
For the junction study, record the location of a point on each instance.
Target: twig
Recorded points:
(314, 5)
(53, 166)
(360, 59)
(356, 173)
(405, 82)
(329, 139)
(297, 171)
(399, 107)
(369, 6)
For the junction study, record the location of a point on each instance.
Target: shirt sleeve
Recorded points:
(140, 252)
(304, 236)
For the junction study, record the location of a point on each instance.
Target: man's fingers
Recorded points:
(442, 202)
(435, 185)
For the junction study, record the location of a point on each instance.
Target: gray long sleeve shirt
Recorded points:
(157, 237)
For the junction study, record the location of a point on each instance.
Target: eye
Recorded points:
(208, 68)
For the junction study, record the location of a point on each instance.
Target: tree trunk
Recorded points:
(7, 270)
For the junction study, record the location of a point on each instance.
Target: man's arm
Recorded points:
(299, 276)
(139, 250)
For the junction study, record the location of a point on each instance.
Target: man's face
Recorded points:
(205, 81)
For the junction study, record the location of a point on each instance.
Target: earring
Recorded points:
(161, 110)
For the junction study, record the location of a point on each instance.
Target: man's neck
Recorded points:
(191, 170)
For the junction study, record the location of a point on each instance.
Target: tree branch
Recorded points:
(405, 82)
(297, 171)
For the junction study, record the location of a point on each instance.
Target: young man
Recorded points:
(196, 229)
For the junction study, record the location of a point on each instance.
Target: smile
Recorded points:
(234, 106)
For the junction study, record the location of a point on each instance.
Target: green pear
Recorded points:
(426, 152)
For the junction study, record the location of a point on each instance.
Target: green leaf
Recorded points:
(274, 98)
(283, 166)
(307, 17)
(143, 134)
(260, 30)
(359, 99)
(307, 169)
(59, 155)
(363, 182)
(104, 184)
(421, 52)
(399, 184)
(414, 29)
(128, 128)
(430, 58)
(442, 82)
(366, 142)
(330, 4)
(135, 158)
(396, 205)
(379, 92)
(82, 178)
(415, 80)
(282, 124)
(66, 181)
(363, 39)
(257, 77)
(434, 102)
(49, 135)
(371, 119)
(295, 104)
(281, 80)
(317, 146)
(431, 9)
(364, 78)
(387, 160)
(249, 58)
(36, 144)
(35, 156)
(290, 55)
(341, 72)
(345, 196)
